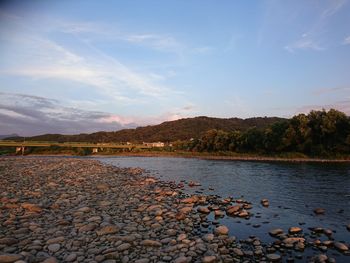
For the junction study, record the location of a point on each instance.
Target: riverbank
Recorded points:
(77, 210)
(210, 156)
(236, 157)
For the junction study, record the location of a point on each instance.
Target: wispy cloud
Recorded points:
(334, 7)
(304, 43)
(343, 105)
(314, 38)
(346, 41)
(41, 57)
(322, 91)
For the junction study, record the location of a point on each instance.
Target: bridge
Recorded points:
(20, 146)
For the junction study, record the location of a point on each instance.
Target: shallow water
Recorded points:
(293, 189)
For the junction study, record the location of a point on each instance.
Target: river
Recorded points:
(293, 189)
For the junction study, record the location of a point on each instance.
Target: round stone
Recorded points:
(54, 247)
(273, 257)
(208, 259)
(341, 246)
(123, 247)
(276, 232)
(221, 230)
(71, 257)
(295, 230)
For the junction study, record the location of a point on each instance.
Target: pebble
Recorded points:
(50, 260)
(319, 211)
(209, 259)
(221, 230)
(238, 252)
(341, 246)
(181, 259)
(71, 257)
(123, 247)
(295, 230)
(54, 247)
(107, 230)
(273, 257)
(8, 258)
(276, 232)
(151, 243)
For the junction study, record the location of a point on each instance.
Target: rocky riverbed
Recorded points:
(74, 210)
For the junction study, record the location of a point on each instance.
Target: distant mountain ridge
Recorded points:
(8, 135)
(169, 131)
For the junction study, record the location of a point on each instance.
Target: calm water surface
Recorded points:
(293, 189)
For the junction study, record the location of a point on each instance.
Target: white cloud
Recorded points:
(305, 43)
(203, 50)
(30, 115)
(346, 41)
(333, 7)
(38, 57)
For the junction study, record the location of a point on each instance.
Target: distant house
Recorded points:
(154, 144)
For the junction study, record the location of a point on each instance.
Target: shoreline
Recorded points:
(200, 156)
(232, 158)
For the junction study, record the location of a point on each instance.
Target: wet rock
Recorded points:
(203, 210)
(233, 209)
(190, 200)
(219, 213)
(208, 237)
(273, 257)
(341, 246)
(319, 211)
(238, 252)
(265, 202)
(292, 240)
(243, 213)
(276, 232)
(322, 258)
(221, 230)
(295, 230)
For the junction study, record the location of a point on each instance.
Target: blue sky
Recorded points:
(83, 66)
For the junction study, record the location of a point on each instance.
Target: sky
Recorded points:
(84, 66)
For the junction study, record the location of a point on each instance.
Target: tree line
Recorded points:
(319, 133)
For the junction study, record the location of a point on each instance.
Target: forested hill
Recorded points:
(169, 131)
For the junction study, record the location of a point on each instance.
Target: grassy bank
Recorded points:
(221, 155)
(288, 157)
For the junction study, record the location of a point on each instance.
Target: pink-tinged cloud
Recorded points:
(343, 106)
(116, 119)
